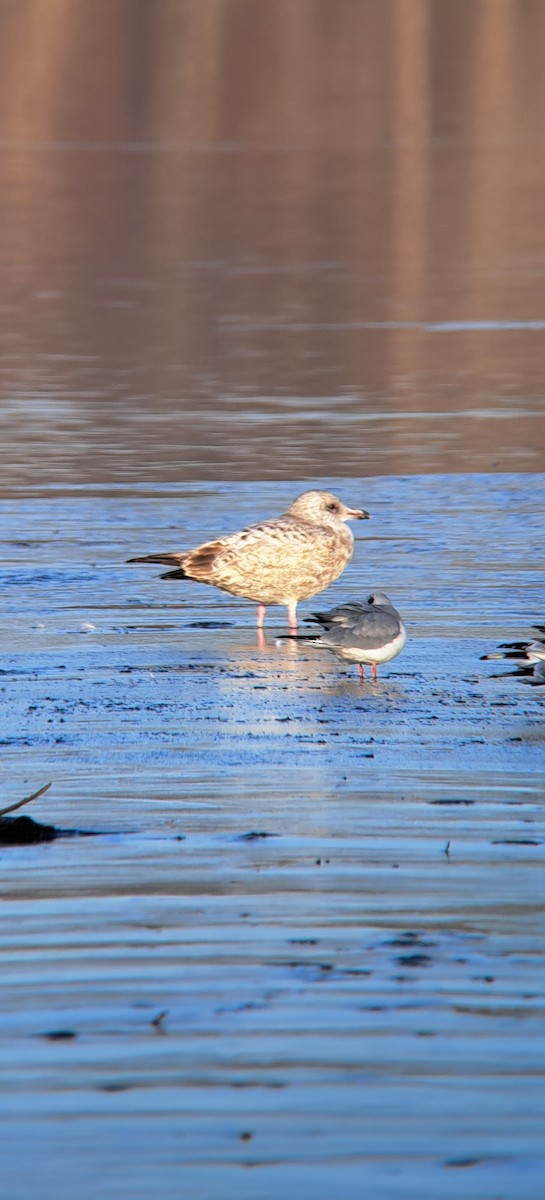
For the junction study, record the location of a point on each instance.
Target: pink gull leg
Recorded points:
(360, 669)
(374, 672)
(261, 610)
(292, 615)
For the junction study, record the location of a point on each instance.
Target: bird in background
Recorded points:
(370, 633)
(280, 561)
(528, 656)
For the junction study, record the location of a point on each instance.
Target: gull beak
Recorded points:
(357, 514)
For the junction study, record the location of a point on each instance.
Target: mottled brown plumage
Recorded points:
(281, 561)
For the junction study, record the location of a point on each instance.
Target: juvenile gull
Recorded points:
(362, 633)
(280, 561)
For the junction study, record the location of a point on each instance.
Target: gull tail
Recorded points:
(298, 637)
(168, 560)
(178, 574)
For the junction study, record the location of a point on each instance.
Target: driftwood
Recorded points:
(27, 799)
(24, 831)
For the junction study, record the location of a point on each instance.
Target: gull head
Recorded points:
(324, 508)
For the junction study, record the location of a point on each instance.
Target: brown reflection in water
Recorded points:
(232, 234)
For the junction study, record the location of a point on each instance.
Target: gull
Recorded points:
(280, 561)
(371, 633)
(529, 657)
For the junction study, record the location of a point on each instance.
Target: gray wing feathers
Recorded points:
(360, 625)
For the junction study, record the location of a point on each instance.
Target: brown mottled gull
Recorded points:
(280, 561)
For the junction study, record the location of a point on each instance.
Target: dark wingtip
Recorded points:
(143, 558)
(179, 573)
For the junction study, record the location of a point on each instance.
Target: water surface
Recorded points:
(319, 253)
(302, 953)
(333, 892)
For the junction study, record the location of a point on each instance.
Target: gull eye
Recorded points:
(332, 507)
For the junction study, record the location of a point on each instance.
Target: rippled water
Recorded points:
(322, 257)
(333, 892)
(302, 952)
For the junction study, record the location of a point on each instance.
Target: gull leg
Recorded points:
(374, 672)
(261, 610)
(292, 615)
(360, 669)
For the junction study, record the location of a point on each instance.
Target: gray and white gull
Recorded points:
(528, 658)
(369, 633)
